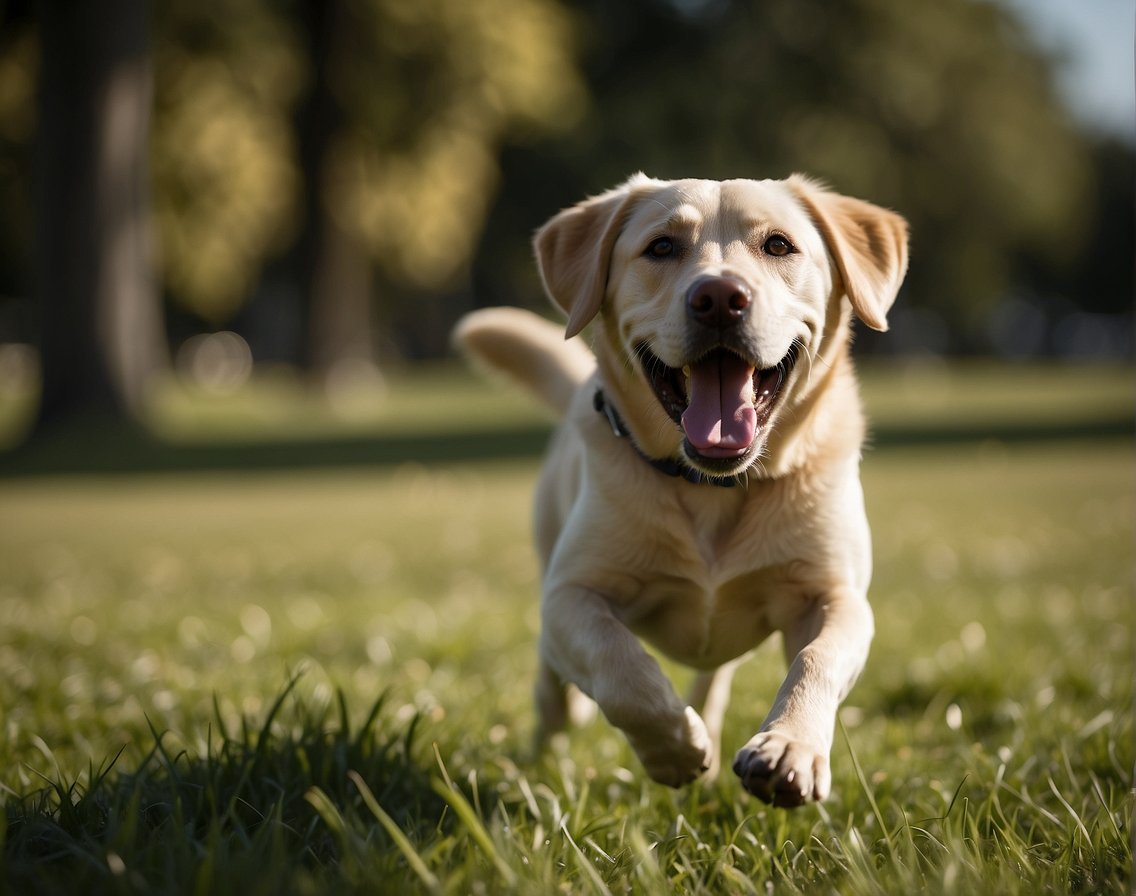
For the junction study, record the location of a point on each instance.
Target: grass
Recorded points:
(318, 681)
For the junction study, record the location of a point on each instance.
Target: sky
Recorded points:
(1095, 37)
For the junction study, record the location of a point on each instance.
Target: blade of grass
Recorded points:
(864, 786)
(462, 808)
(331, 816)
(1069, 808)
(584, 865)
(396, 834)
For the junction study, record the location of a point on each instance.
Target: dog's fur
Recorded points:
(762, 278)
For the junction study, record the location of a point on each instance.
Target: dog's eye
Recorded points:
(662, 247)
(778, 246)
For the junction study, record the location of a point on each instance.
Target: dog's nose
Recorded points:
(718, 301)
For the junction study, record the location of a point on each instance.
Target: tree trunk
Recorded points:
(101, 336)
(332, 266)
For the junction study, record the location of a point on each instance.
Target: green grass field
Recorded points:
(316, 679)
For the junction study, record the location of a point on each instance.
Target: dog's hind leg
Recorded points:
(551, 695)
(709, 694)
(559, 705)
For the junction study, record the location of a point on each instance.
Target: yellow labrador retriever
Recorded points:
(703, 489)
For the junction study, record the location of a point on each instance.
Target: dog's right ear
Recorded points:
(573, 251)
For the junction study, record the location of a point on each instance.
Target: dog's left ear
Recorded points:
(868, 244)
(573, 252)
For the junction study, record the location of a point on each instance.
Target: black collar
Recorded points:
(667, 466)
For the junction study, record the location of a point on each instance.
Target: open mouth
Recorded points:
(720, 401)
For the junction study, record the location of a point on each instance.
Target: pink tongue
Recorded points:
(720, 419)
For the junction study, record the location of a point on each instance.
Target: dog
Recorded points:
(702, 490)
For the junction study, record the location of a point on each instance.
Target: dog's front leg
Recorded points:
(584, 643)
(787, 762)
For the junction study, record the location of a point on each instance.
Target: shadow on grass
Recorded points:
(266, 808)
(94, 449)
(100, 449)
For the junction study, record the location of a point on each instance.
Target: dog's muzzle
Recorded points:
(721, 398)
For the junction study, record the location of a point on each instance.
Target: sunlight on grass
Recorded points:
(423, 398)
(320, 682)
(935, 392)
(152, 594)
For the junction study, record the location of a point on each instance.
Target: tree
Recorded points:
(939, 108)
(331, 265)
(406, 108)
(101, 337)
(228, 74)
(353, 141)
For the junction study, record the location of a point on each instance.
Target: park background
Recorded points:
(260, 531)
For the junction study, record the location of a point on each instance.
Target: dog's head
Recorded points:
(714, 296)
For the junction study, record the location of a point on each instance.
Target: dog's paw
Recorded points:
(783, 772)
(679, 757)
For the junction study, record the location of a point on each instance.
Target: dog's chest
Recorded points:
(727, 574)
(705, 625)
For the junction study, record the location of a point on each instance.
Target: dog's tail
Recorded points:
(529, 350)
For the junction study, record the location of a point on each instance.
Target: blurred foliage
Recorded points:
(464, 125)
(431, 87)
(19, 63)
(226, 76)
(427, 90)
(940, 109)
